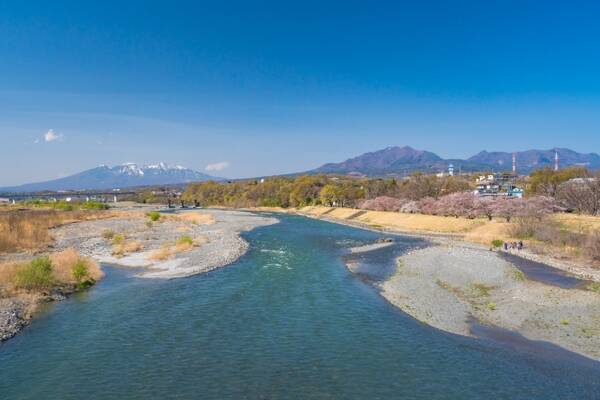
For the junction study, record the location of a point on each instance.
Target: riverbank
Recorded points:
(444, 230)
(447, 286)
(458, 281)
(178, 244)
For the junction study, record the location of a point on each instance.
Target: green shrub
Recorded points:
(108, 234)
(491, 306)
(497, 243)
(185, 239)
(63, 206)
(80, 271)
(95, 205)
(154, 216)
(594, 287)
(118, 239)
(37, 275)
(149, 224)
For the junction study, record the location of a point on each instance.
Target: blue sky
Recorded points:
(270, 87)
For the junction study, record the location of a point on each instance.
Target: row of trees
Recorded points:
(575, 188)
(571, 188)
(464, 204)
(313, 190)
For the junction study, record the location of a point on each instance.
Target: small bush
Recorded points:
(95, 205)
(108, 234)
(154, 216)
(491, 306)
(37, 275)
(564, 322)
(118, 239)
(594, 287)
(497, 243)
(185, 240)
(149, 224)
(80, 271)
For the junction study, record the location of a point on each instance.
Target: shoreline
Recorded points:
(216, 241)
(455, 285)
(219, 244)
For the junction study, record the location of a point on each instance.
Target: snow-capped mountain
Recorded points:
(120, 176)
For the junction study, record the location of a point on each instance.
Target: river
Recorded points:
(287, 321)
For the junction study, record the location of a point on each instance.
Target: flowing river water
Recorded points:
(287, 321)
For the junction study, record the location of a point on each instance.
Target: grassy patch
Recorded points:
(518, 275)
(154, 216)
(35, 275)
(481, 290)
(125, 247)
(491, 306)
(497, 243)
(594, 287)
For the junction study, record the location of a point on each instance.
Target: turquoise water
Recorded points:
(287, 321)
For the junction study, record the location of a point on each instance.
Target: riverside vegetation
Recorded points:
(539, 218)
(30, 272)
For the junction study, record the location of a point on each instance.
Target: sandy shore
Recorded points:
(219, 241)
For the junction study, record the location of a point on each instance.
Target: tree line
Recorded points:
(575, 189)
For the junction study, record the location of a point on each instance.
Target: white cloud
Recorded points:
(217, 166)
(51, 136)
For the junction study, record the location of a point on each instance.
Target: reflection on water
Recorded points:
(288, 321)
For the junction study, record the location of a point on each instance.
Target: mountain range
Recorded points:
(391, 161)
(120, 176)
(397, 161)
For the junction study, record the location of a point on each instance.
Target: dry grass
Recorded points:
(183, 244)
(162, 254)
(123, 247)
(7, 272)
(490, 230)
(413, 223)
(578, 223)
(64, 261)
(28, 229)
(194, 218)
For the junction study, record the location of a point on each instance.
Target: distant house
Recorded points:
(497, 185)
(4, 200)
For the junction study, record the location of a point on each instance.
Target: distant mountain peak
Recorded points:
(128, 174)
(396, 160)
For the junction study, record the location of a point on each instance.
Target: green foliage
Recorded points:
(118, 239)
(185, 239)
(154, 216)
(564, 322)
(80, 271)
(497, 243)
(594, 287)
(95, 205)
(519, 275)
(546, 181)
(491, 306)
(108, 234)
(36, 275)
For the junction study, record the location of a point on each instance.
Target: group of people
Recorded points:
(513, 245)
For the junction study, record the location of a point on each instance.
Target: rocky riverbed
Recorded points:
(450, 285)
(216, 236)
